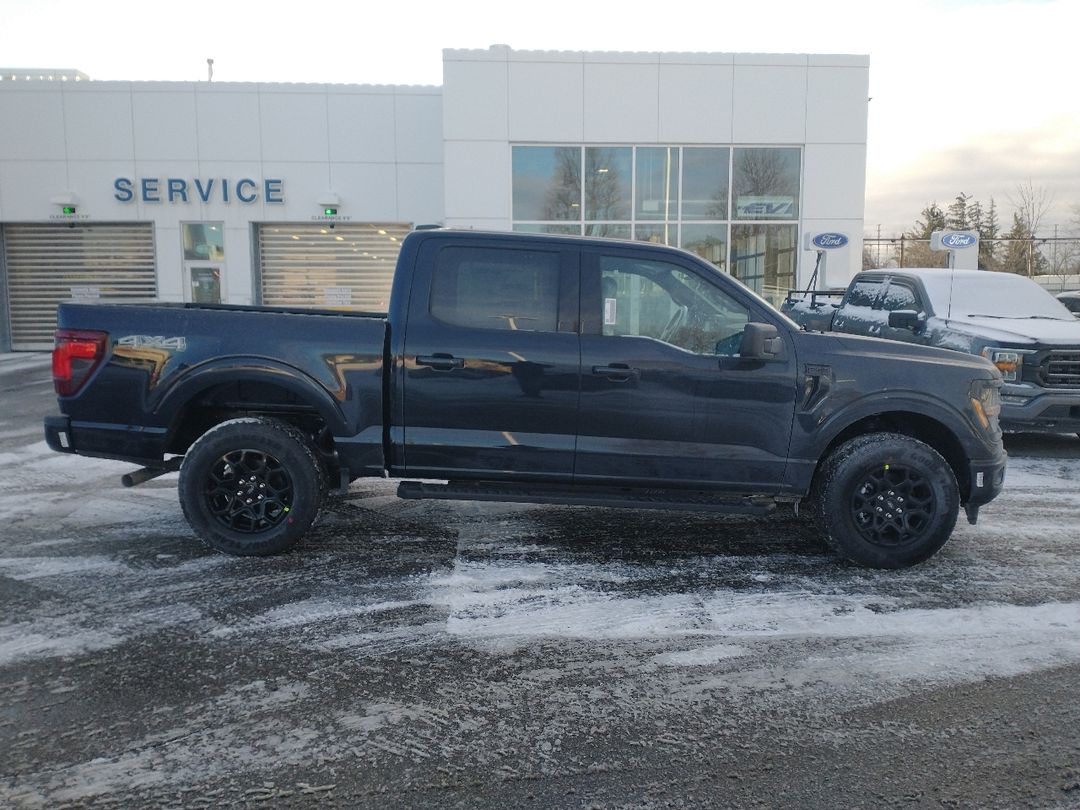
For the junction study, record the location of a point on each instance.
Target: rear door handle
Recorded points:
(616, 372)
(440, 362)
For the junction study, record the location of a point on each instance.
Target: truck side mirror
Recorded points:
(760, 341)
(906, 319)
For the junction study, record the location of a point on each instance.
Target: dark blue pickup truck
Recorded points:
(538, 369)
(1008, 319)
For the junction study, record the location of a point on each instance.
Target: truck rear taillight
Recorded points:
(78, 352)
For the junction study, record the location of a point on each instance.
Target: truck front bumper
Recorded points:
(1027, 408)
(987, 478)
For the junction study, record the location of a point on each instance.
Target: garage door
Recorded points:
(347, 266)
(49, 264)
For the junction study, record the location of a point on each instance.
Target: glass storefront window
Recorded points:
(666, 234)
(203, 241)
(657, 178)
(607, 183)
(766, 183)
(737, 207)
(547, 182)
(705, 183)
(565, 230)
(763, 258)
(609, 230)
(707, 241)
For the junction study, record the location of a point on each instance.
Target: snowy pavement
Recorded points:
(454, 654)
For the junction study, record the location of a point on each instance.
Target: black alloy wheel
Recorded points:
(885, 500)
(249, 491)
(252, 486)
(894, 505)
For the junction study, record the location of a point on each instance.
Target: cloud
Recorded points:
(985, 166)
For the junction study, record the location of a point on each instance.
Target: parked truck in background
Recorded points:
(540, 369)
(1010, 320)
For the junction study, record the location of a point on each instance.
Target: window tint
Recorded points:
(491, 288)
(863, 294)
(900, 296)
(666, 302)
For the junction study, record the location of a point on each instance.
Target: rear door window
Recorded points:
(496, 288)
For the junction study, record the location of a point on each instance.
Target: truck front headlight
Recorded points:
(1009, 362)
(985, 398)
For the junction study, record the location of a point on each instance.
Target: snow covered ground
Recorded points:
(426, 653)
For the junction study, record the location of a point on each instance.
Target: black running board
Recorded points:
(679, 500)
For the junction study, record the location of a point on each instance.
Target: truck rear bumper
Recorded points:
(123, 442)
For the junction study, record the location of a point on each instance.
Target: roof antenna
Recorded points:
(209, 70)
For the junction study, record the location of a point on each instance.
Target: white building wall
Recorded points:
(499, 96)
(379, 148)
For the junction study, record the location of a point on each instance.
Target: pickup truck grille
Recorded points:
(1061, 369)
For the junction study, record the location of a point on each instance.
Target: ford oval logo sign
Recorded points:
(830, 240)
(958, 240)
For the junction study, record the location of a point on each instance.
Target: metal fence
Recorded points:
(1053, 261)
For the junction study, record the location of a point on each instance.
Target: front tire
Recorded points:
(251, 486)
(886, 500)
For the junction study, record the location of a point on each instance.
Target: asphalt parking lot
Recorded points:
(418, 654)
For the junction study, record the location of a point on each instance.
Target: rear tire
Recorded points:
(251, 486)
(885, 500)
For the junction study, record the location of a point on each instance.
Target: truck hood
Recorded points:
(1033, 332)
(906, 356)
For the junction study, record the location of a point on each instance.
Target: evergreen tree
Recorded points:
(989, 230)
(917, 251)
(959, 217)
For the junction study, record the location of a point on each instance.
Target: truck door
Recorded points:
(666, 401)
(491, 366)
(860, 311)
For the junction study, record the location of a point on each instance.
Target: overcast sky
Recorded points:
(967, 95)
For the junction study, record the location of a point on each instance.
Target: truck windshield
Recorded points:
(1002, 295)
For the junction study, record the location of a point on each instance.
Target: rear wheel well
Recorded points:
(221, 403)
(917, 426)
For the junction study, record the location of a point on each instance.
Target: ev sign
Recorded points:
(963, 248)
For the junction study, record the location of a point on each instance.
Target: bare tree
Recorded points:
(1031, 203)
(563, 198)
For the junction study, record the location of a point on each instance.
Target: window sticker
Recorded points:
(609, 312)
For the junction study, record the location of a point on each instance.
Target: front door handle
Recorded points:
(616, 372)
(439, 361)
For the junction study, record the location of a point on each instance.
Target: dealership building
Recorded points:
(300, 194)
